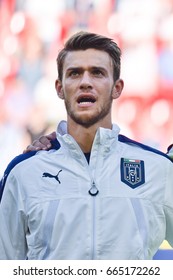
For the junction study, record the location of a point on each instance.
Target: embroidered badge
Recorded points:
(132, 172)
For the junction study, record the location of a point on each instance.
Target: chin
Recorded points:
(86, 121)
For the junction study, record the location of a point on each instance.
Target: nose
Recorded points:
(85, 82)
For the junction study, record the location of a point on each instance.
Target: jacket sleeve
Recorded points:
(168, 206)
(13, 222)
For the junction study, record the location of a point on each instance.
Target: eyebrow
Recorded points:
(74, 68)
(90, 67)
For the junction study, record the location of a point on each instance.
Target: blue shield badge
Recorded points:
(132, 172)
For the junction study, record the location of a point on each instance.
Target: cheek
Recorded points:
(106, 90)
(68, 95)
(69, 88)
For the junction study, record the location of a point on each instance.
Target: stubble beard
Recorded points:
(90, 120)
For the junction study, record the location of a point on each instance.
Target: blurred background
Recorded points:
(33, 31)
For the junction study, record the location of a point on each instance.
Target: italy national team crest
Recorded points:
(132, 172)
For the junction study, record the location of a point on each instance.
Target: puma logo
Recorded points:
(46, 174)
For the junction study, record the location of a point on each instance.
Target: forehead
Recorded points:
(87, 58)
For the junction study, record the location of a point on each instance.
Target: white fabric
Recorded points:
(43, 218)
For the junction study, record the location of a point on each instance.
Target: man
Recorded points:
(96, 194)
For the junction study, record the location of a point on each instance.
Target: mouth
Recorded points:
(86, 100)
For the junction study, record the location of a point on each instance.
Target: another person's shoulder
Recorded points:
(144, 148)
(170, 151)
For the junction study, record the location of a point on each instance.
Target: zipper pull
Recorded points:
(93, 191)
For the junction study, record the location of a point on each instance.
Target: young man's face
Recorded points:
(87, 86)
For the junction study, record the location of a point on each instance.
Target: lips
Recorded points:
(86, 99)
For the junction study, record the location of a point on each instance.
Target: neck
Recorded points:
(85, 136)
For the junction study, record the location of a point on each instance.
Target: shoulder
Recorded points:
(143, 147)
(22, 158)
(18, 159)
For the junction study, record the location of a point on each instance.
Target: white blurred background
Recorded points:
(33, 31)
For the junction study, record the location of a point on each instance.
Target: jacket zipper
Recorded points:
(93, 192)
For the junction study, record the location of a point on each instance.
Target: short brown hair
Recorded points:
(86, 40)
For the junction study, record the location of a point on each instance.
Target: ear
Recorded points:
(118, 87)
(59, 89)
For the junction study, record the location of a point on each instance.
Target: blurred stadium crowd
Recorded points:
(33, 31)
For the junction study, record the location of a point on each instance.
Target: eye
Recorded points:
(74, 73)
(97, 72)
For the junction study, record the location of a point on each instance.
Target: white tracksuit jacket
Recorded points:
(119, 206)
